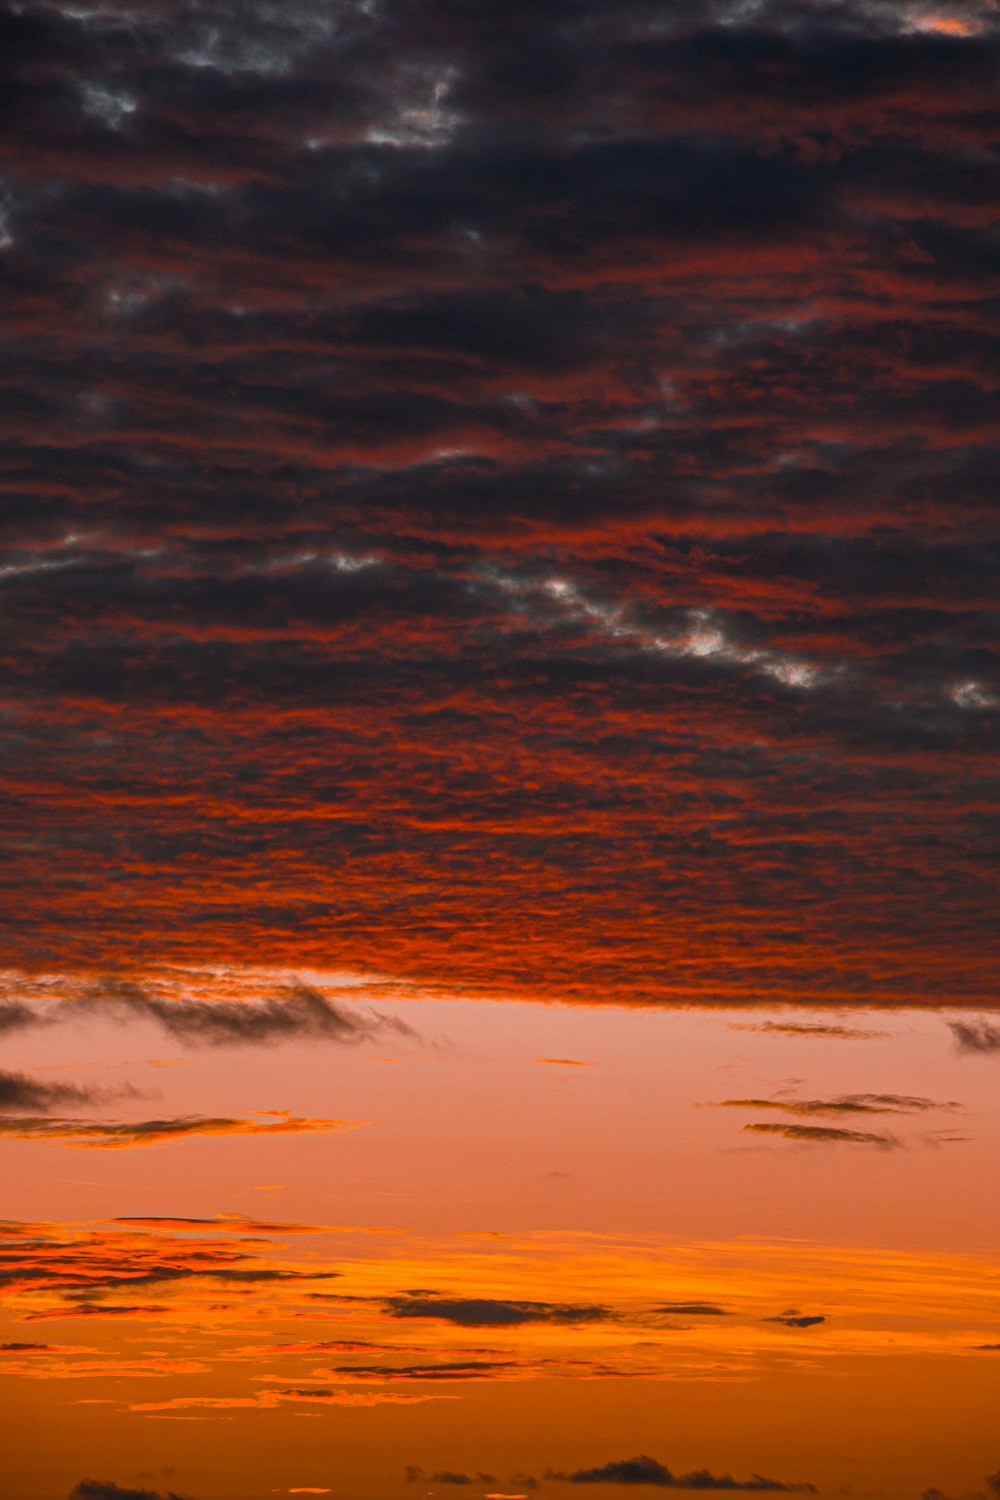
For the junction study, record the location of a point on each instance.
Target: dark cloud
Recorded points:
(826, 1135)
(300, 1011)
(492, 1312)
(19, 1091)
(648, 1471)
(845, 1104)
(550, 451)
(16, 1016)
(976, 1036)
(103, 1489)
(795, 1319)
(468, 1369)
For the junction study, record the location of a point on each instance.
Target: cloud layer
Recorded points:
(503, 500)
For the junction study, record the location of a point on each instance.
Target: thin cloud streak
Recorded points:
(119, 1136)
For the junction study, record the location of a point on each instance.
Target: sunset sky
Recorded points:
(501, 679)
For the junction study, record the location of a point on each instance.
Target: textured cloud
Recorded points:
(793, 1319)
(497, 499)
(112, 1136)
(649, 1471)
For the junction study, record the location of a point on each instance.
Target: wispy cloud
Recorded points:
(824, 1135)
(300, 1011)
(19, 1091)
(844, 1104)
(113, 1136)
(976, 1036)
(821, 1030)
(269, 1400)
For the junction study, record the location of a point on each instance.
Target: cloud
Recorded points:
(817, 1029)
(976, 1036)
(142, 1311)
(300, 1012)
(844, 1104)
(633, 560)
(222, 1224)
(692, 1309)
(103, 1489)
(18, 1091)
(470, 1369)
(649, 1471)
(271, 1399)
(492, 1312)
(16, 1016)
(794, 1319)
(114, 1136)
(825, 1135)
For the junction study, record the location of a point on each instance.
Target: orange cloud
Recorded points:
(89, 1134)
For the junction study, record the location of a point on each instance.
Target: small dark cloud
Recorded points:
(20, 1091)
(492, 1312)
(976, 1036)
(16, 1016)
(825, 1135)
(646, 1470)
(23, 1348)
(104, 1489)
(691, 1309)
(794, 1319)
(298, 1011)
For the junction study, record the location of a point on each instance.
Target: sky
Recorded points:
(500, 689)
